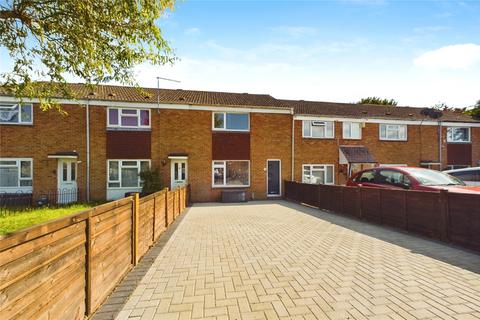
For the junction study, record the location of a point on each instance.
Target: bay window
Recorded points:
(128, 118)
(16, 174)
(16, 113)
(458, 134)
(317, 173)
(318, 129)
(352, 130)
(234, 173)
(228, 121)
(126, 173)
(393, 132)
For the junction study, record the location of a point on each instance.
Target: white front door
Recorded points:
(67, 180)
(179, 173)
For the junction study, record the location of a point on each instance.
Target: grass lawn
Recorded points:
(16, 219)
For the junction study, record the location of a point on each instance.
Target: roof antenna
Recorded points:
(158, 89)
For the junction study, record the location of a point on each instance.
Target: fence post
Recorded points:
(359, 203)
(444, 215)
(166, 207)
(154, 216)
(136, 208)
(88, 265)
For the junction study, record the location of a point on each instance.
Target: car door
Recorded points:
(392, 179)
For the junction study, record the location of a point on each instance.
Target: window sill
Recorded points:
(127, 129)
(16, 124)
(392, 140)
(459, 142)
(229, 187)
(230, 130)
(352, 138)
(329, 138)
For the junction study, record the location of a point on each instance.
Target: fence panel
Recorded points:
(351, 201)
(394, 208)
(145, 228)
(160, 214)
(464, 219)
(371, 204)
(45, 277)
(170, 208)
(111, 256)
(423, 211)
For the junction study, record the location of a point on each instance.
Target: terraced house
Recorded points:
(214, 141)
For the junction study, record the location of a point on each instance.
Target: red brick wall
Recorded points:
(51, 132)
(422, 144)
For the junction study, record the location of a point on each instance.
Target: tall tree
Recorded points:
(377, 100)
(94, 40)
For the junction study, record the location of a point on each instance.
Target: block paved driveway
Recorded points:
(270, 260)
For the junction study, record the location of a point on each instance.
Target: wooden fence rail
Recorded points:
(447, 216)
(66, 268)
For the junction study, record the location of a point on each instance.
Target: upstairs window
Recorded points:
(16, 173)
(352, 130)
(393, 132)
(318, 129)
(458, 134)
(16, 113)
(227, 121)
(128, 118)
(126, 173)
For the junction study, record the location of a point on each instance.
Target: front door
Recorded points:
(273, 177)
(67, 181)
(179, 173)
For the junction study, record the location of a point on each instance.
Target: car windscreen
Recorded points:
(428, 177)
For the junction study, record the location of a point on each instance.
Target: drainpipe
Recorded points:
(293, 145)
(440, 143)
(87, 110)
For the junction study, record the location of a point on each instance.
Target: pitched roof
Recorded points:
(173, 96)
(362, 111)
(357, 154)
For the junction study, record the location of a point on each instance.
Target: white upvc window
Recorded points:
(231, 173)
(458, 134)
(16, 174)
(352, 130)
(11, 113)
(318, 129)
(126, 173)
(230, 121)
(318, 173)
(393, 132)
(128, 118)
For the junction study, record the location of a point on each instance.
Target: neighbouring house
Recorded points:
(213, 141)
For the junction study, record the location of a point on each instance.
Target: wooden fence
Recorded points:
(66, 268)
(447, 216)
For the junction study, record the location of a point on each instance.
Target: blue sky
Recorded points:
(419, 53)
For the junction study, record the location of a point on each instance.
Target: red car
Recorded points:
(409, 178)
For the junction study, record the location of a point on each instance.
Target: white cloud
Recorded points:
(192, 31)
(453, 57)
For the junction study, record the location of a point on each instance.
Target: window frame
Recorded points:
(120, 166)
(18, 164)
(469, 130)
(137, 115)
(224, 166)
(350, 124)
(387, 125)
(311, 165)
(224, 128)
(20, 105)
(325, 130)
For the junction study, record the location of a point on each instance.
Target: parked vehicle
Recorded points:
(471, 176)
(410, 178)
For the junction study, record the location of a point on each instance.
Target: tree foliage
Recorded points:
(377, 100)
(94, 40)
(474, 111)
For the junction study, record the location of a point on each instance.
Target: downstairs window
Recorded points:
(234, 173)
(126, 173)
